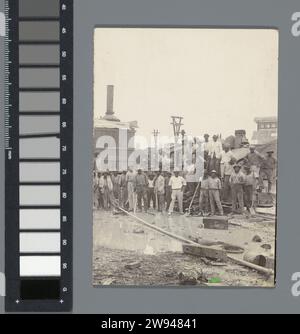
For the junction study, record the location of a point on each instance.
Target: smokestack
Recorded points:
(110, 100)
(109, 115)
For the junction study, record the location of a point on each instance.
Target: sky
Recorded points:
(219, 80)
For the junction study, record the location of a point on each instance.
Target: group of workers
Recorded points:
(139, 190)
(224, 179)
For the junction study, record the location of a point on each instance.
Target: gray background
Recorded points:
(266, 13)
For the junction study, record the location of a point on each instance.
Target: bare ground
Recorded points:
(127, 253)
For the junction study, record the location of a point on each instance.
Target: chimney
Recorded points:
(110, 100)
(109, 115)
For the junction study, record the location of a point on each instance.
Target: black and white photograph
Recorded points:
(185, 157)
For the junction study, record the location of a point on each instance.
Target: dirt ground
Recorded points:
(128, 253)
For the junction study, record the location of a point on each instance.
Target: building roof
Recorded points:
(103, 123)
(265, 119)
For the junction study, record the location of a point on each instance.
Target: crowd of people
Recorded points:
(224, 180)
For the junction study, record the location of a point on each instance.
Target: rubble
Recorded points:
(255, 258)
(132, 265)
(108, 281)
(187, 279)
(257, 238)
(266, 246)
(138, 231)
(120, 262)
(216, 222)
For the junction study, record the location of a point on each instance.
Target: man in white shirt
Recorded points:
(160, 191)
(177, 184)
(130, 180)
(215, 152)
(150, 191)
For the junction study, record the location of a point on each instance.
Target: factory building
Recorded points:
(111, 138)
(266, 132)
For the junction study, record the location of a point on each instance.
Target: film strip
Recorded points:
(39, 156)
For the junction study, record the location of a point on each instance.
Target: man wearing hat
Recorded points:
(106, 187)
(168, 190)
(237, 180)
(123, 189)
(204, 195)
(215, 152)
(227, 161)
(151, 191)
(130, 181)
(206, 147)
(160, 191)
(249, 187)
(177, 184)
(267, 169)
(141, 184)
(214, 188)
(254, 160)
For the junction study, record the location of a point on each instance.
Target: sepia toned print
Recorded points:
(185, 157)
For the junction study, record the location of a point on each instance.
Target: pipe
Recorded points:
(158, 229)
(260, 269)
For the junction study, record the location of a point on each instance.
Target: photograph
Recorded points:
(184, 156)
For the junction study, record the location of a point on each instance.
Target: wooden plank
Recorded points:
(205, 251)
(216, 222)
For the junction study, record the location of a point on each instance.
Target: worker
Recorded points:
(214, 189)
(267, 169)
(95, 190)
(254, 160)
(206, 148)
(215, 151)
(249, 187)
(115, 179)
(150, 191)
(190, 175)
(204, 196)
(237, 180)
(98, 192)
(130, 180)
(227, 161)
(168, 190)
(123, 189)
(141, 184)
(177, 184)
(106, 187)
(160, 191)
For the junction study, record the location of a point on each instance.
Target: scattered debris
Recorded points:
(234, 224)
(216, 222)
(138, 231)
(270, 262)
(255, 219)
(108, 281)
(205, 260)
(257, 238)
(266, 246)
(218, 264)
(232, 249)
(256, 258)
(205, 251)
(132, 265)
(187, 279)
(262, 259)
